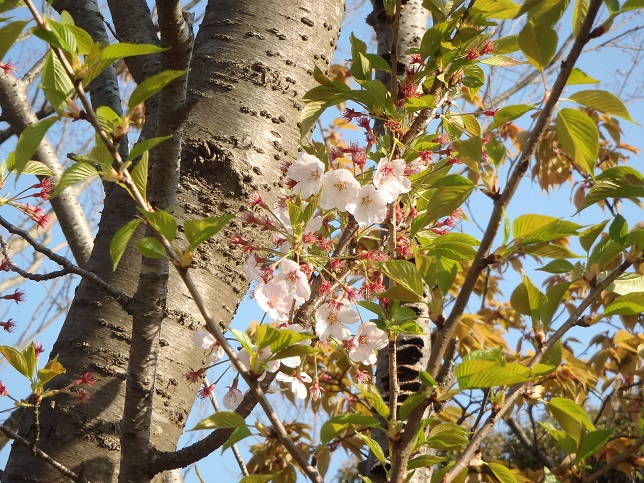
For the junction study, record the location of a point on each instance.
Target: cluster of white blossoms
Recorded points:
(340, 189)
(283, 285)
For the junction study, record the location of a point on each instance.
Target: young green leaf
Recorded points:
(602, 101)
(198, 231)
(150, 247)
(75, 173)
(16, 360)
(539, 44)
(509, 113)
(502, 473)
(162, 222)
(578, 76)
(375, 448)
(8, 36)
(221, 419)
(372, 395)
(121, 239)
(579, 137)
(29, 141)
(629, 304)
(239, 434)
(140, 174)
(579, 15)
(152, 85)
(145, 145)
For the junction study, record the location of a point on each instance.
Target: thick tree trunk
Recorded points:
(248, 71)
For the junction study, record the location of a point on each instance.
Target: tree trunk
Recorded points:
(248, 71)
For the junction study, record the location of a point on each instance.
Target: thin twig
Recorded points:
(120, 297)
(236, 453)
(42, 455)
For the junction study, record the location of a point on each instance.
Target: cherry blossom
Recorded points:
(296, 283)
(390, 179)
(205, 340)
(368, 338)
(297, 381)
(307, 171)
(253, 272)
(331, 320)
(274, 297)
(233, 397)
(369, 206)
(338, 187)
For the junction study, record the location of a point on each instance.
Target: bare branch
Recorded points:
(615, 461)
(119, 296)
(42, 455)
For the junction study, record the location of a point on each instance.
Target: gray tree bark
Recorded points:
(249, 70)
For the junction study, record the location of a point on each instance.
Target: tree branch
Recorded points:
(120, 297)
(42, 455)
(531, 449)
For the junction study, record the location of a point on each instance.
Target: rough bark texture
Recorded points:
(248, 71)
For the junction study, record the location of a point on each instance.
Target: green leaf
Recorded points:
(578, 76)
(579, 137)
(145, 145)
(221, 419)
(509, 113)
(152, 85)
(479, 374)
(198, 231)
(405, 274)
(29, 141)
(29, 355)
(239, 434)
(473, 76)
(75, 173)
(570, 416)
(557, 266)
(139, 175)
(506, 45)
(501, 60)
(540, 228)
(602, 101)
(565, 440)
(469, 151)
(589, 235)
(337, 424)
(8, 36)
(618, 230)
(632, 5)
(118, 51)
(375, 448)
(424, 461)
(297, 350)
(410, 403)
(579, 15)
(554, 297)
(627, 283)
(592, 442)
(16, 360)
(502, 473)
(287, 338)
(554, 355)
(604, 189)
(447, 436)
(243, 339)
(427, 379)
(56, 85)
(493, 355)
(629, 304)
(539, 44)
(52, 369)
(372, 395)
(162, 222)
(150, 247)
(120, 241)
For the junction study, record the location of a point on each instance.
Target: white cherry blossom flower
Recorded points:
(205, 340)
(390, 179)
(331, 320)
(338, 187)
(233, 397)
(253, 272)
(368, 338)
(274, 298)
(369, 206)
(297, 284)
(307, 171)
(297, 381)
